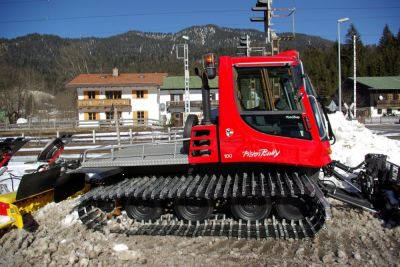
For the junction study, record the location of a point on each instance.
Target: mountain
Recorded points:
(46, 63)
(59, 58)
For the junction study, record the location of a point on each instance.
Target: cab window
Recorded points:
(268, 102)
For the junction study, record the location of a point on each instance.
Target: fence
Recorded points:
(383, 120)
(71, 124)
(127, 137)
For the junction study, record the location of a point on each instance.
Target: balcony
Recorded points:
(180, 105)
(104, 104)
(388, 103)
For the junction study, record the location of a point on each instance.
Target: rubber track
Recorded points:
(212, 187)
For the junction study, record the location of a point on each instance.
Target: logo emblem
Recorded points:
(261, 153)
(229, 132)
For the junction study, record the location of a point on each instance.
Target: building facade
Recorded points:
(376, 96)
(139, 98)
(172, 104)
(135, 97)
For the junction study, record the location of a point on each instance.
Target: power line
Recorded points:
(165, 13)
(22, 2)
(123, 15)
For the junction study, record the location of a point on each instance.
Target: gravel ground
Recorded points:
(352, 238)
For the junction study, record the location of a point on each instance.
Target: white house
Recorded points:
(139, 98)
(135, 96)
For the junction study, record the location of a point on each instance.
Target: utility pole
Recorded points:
(339, 21)
(185, 58)
(355, 76)
(116, 119)
(271, 38)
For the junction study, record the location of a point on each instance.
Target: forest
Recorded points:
(35, 68)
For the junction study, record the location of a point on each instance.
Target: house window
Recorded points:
(379, 111)
(389, 97)
(89, 94)
(140, 94)
(176, 97)
(140, 117)
(113, 94)
(92, 116)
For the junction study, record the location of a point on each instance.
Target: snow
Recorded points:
(354, 141)
(15, 170)
(120, 247)
(70, 219)
(4, 219)
(22, 121)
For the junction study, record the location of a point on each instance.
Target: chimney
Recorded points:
(115, 72)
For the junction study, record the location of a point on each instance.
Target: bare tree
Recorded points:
(16, 87)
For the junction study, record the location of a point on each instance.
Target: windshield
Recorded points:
(317, 110)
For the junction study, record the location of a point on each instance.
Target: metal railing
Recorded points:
(195, 103)
(113, 148)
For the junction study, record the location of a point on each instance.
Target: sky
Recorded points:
(102, 18)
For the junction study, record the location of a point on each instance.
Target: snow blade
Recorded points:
(377, 183)
(38, 182)
(67, 185)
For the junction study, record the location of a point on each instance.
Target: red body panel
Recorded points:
(238, 142)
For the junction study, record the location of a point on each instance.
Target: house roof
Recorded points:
(120, 80)
(178, 82)
(380, 83)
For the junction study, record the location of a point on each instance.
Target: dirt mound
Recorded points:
(57, 238)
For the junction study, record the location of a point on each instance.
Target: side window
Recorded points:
(267, 101)
(267, 89)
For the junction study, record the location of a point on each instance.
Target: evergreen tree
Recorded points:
(389, 52)
(387, 38)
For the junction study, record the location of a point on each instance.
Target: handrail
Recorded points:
(113, 148)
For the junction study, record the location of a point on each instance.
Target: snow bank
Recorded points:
(354, 140)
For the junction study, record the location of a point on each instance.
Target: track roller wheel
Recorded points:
(142, 210)
(250, 208)
(292, 208)
(193, 209)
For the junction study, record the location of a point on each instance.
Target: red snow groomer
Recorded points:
(249, 169)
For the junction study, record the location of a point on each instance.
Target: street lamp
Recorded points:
(339, 70)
